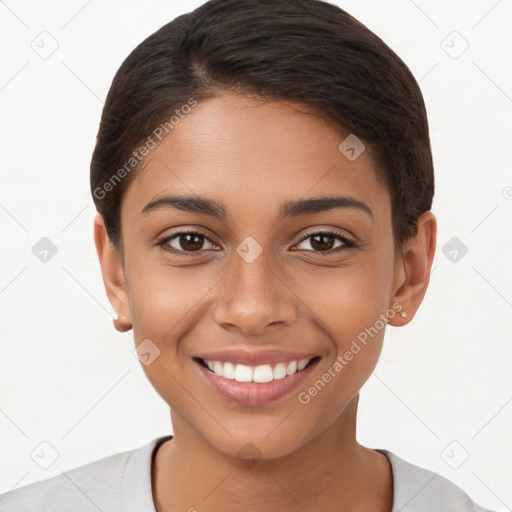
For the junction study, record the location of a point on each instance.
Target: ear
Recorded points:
(412, 269)
(112, 271)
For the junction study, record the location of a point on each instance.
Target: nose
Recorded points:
(254, 297)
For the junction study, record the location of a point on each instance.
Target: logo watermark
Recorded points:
(138, 155)
(305, 397)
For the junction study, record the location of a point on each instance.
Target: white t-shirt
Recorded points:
(122, 482)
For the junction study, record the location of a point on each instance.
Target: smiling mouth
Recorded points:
(256, 374)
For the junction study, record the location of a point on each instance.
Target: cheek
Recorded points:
(349, 300)
(166, 299)
(352, 309)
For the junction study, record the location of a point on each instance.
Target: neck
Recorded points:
(331, 471)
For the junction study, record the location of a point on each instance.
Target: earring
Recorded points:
(403, 314)
(120, 325)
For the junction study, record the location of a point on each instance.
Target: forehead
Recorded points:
(253, 154)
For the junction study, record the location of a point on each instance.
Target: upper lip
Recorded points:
(255, 357)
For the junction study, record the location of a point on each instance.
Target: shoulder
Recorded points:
(83, 488)
(421, 490)
(99, 485)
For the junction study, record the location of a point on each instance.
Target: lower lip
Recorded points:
(253, 393)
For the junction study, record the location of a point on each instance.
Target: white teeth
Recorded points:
(280, 371)
(262, 373)
(302, 364)
(229, 371)
(291, 368)
(218, 367)
(242, 373)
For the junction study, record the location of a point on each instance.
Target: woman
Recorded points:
(264, 181)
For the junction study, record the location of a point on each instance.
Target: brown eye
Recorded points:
(186, 242)
(189, 242)
(324, 241)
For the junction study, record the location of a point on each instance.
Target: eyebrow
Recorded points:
(195, 204)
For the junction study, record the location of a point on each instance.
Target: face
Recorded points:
(241, 275)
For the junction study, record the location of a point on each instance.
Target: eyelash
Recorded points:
(347, 243)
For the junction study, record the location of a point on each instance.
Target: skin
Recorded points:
(252, 156)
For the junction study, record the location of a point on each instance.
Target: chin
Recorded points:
(251, 444)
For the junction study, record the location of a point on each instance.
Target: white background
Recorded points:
(68, 378)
